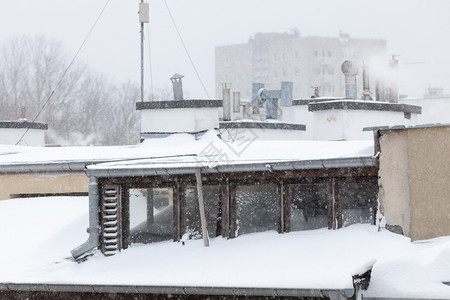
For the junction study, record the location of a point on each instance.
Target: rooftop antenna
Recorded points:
(143, 18)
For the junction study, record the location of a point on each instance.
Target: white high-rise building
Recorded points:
(308, 62)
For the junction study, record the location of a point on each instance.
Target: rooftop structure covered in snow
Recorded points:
(270, 164)
(13, 132)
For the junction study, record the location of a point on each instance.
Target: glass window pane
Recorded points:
(211, 200)
(257, 208)
(357, 203)
(138, 207)
(151, 215)
(309, 207)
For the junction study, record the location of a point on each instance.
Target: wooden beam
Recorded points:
(150, 205)
(281, 225)
(333, 204)
(176, 212)
(241, 177)
(233, 211)
(287, 208)
(123, 238)
(183, 217)
(225, 191)
(198, 176)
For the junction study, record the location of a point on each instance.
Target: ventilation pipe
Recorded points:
(270, 97)
(94, 228)
(366, 85)
(256, 103)
(380, 94)
(23, 114)
(350, 70)
(393, 82)
(177, 86)
(236, 102)
(226, 101)
(316, 92)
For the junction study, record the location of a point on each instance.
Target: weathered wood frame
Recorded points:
(228, 182)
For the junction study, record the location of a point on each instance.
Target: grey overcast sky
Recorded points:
(417, 30)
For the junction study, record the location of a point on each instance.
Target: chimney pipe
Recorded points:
(177, 86)
(226, 101)
(366, 85)
(236, 102)
(350, 70)
(380, 94)
(393, 84)
(316, 92)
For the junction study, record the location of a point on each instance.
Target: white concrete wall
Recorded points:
(299, 114)
(434, 110)
(342, 124)
(34, 137)
(179, 119)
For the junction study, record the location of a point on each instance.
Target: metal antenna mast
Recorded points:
(143, 18)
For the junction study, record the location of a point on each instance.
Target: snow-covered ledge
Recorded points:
(183, 116)
(250, 130)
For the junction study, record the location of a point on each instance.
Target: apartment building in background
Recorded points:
(308, 62)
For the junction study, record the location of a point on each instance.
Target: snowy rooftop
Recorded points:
(180, 150)
(318, 259)
(180, 153)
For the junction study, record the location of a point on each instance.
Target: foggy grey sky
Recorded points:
(417, 30)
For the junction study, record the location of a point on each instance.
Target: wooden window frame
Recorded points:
(333, 179)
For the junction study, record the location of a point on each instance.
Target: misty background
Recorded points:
(415, 30)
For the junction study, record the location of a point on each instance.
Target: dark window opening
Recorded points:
(257, 207)
(357, 200)
(309, 206)
(211, 200)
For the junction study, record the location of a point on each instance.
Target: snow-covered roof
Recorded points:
(178, 154)
(317, 259)
(180, 150)
(364, 105)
